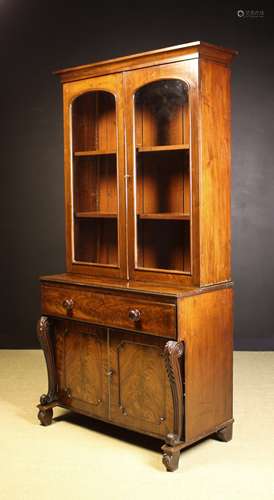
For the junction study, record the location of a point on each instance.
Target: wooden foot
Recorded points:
(45, 416)
(224, 434)
(171, 459)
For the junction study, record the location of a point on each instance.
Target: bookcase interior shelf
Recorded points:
(151, 149)
(93, 215)
(96, 152)
(165, 216)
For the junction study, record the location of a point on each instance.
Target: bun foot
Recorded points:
(224, 434)
(171, 460)
(45, 416)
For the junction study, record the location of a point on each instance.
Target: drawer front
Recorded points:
(114, 310)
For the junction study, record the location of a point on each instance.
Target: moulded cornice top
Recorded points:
(168, 54)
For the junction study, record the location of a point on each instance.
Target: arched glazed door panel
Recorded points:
(95, 179)
(160, 160)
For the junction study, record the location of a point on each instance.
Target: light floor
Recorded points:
(76, 458)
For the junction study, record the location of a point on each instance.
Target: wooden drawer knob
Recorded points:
(134, 315)
(68, 305)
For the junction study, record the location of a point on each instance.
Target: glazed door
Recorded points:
(161, 157)
(140, 394)
(94, 176)
(81, 360)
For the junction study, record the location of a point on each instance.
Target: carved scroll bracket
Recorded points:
(43, 334)
(173, 353)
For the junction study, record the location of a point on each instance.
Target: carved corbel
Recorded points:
(43, 333)
(173, 353)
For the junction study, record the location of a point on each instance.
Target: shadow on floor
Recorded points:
(111, 430)
(116, 432)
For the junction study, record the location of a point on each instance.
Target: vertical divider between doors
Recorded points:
(126, 177)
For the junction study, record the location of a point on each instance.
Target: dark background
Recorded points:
(39, 37)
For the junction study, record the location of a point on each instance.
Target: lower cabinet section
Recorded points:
(114, 375)
(178, 390)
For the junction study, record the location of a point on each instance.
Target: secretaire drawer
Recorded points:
(110, 309)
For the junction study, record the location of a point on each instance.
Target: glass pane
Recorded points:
(95, 178)
(162, 176)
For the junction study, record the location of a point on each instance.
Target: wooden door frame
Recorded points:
(72, 90)
(186, 71)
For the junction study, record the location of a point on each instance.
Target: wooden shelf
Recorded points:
(152, 149)
(165, 216)
(96, 215)
(95, 152)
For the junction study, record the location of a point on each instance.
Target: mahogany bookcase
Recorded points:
(138, 331)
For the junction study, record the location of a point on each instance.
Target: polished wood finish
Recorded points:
(156, 317)
(215, 230)
(165, 216)
(95, 152)
(176, 178)
(152, 58)
(206, 328)
(138, 331)
(151, 290)
(154, 149)
(81, 358)
(140, 391)
(95, 215)
(123, 285)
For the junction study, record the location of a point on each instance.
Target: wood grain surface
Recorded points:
(158, 318)
(205, 326)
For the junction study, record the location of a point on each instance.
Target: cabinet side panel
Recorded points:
(206, 328)
(215, 186)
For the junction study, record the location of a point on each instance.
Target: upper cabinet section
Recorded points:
(147, 166)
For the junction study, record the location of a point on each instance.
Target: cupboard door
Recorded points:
(140, 394)
(161, 156)
(81, 360)
(94, 176)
